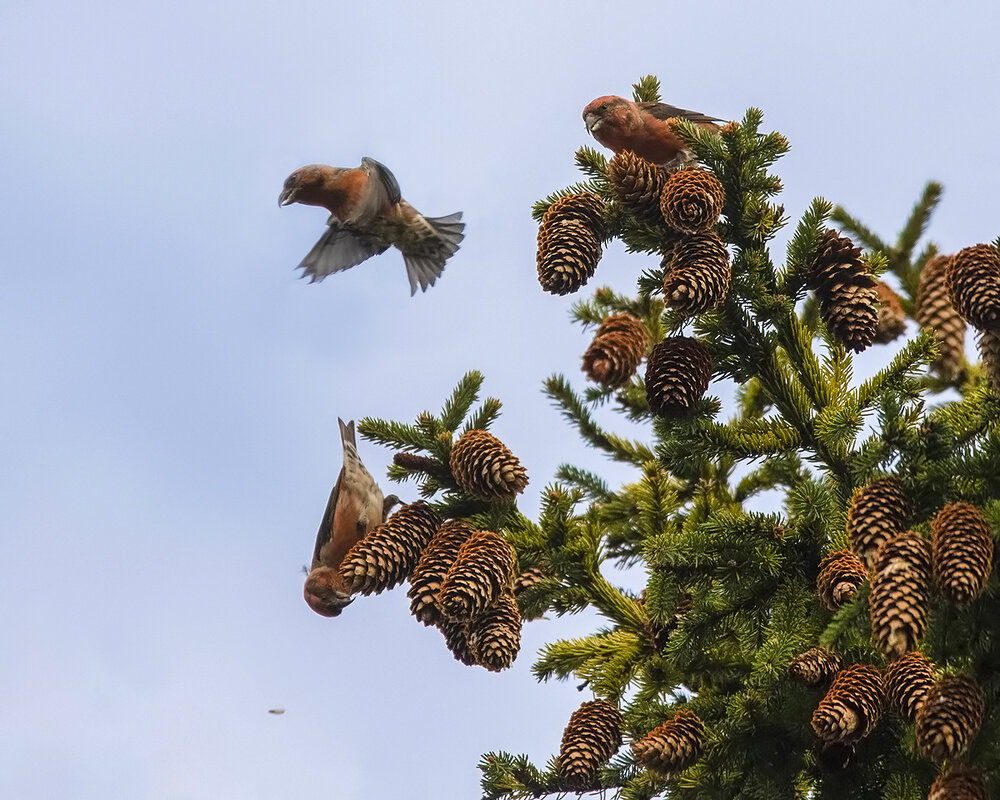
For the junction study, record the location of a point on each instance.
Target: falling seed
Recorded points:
(276, 711)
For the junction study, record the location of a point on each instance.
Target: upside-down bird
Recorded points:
(367, 215)
(620, 124)
(355, 508)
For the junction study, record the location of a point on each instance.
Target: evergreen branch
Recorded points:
(457, 406)
(916, 224)
(646, 90)
(484, 416)
(591, 162)
(592, 485)
(573, 409)
(393, 434)
(802, 248)
(863, 234)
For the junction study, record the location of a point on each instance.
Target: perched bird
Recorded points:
(620, 124)
(355, 507)
(367, 214)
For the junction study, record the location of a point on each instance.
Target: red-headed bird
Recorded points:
(355, 508)
(620, 124)
(367, 215)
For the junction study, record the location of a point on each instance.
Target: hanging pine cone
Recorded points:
(852, 705)
(989, 352)
(935, 311)
(569, 242)
(848, 300)
(898, 598)
(592, 736)
(950, 718)
(696, 276)
(456, 639)
(677, 374)
(637, 184)
(617, 349)
(959, 783)
(962, 545)
(840, 575)
(814, 667)
(907, 682)
(495, 636)
(891, 316)
(386, 556)
(877, 511)
(428, 575)
(974, 286)
(673, 746)
(483, 467)
(692, 200)
(482, 570)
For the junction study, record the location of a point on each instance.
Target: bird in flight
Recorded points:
(368, 215)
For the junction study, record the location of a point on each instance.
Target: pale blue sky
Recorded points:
(168, 423)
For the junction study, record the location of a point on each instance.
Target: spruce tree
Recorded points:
(840, 643)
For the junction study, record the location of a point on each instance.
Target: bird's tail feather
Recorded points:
(339, 248)
(425, 264)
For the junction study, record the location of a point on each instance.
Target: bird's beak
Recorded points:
(286, 197)
(591, 120)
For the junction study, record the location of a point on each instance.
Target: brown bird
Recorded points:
(620, 124)
(355, 507)
(367, 215)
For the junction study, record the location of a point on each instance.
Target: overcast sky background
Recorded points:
(168, 416)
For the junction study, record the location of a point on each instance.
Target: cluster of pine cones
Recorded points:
(899, 564)
(954, 290)
(461, 579)
(594, 734)
(684, 207)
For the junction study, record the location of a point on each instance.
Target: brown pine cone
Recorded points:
(456, 639)
(568, 253)
(482, 570)
(428, 575)
(495, 636)
(935, 311)
(962, 544)
(959, 783)
(692, 200)
(696, 276)
(483, 467)
(898, 597)
(877, 511)
(852, 705)
(386, 556)
(950, 718)
(583, 206)
(637, 184)
(592, 736)
(840, 575)
(617, 349)
(907, 682)
(989, 352)
(848, 300)
(677, 374)
(673, 746)
(814, 667)
(891, 316)
(974, 286)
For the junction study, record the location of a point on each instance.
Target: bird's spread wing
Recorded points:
(428, 243)
(326, 526)
(381, 192)
(665, 111)
(340, 248)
